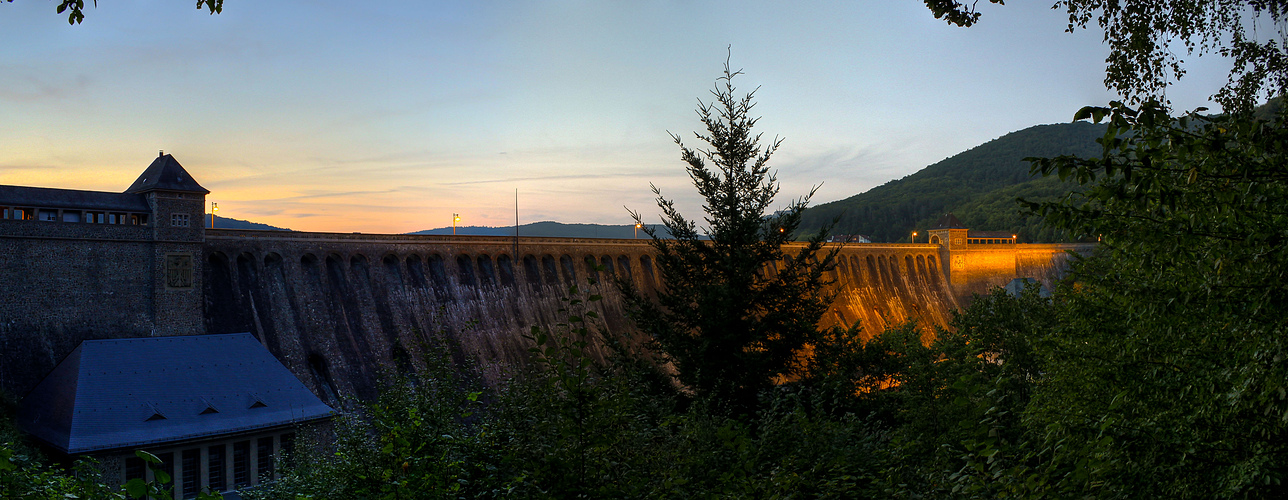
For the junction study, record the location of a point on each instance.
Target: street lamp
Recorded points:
(214, 207)
(914, 236)
(455, 218)
(637, 230)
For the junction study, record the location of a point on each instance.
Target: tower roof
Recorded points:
(166, 174)
(949, 221)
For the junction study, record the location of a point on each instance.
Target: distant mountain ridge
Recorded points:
(552, 229)
(978, 185)
(227, 223)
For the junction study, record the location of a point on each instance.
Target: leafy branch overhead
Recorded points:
(1149, 39)
(75, 9)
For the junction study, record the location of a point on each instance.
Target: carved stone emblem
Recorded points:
(178, 270)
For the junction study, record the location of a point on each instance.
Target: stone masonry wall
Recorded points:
(58, 288)
(339, 310)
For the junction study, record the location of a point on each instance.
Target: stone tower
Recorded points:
(950, 234)
(177, 204)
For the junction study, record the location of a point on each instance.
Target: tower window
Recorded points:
(179, 220)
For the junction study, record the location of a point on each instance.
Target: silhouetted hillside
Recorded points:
(226, 223)
(550, 229)
(979, 186)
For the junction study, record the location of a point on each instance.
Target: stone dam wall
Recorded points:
(339, 309)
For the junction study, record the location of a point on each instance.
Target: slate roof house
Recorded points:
(215, 408)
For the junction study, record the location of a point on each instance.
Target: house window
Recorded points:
(215, 467)
(287, 447)
(179, 220)
(71, 216)
(264, 452)
(167, 464)
(49, 215)
(191, 472)
(241, 464)
(135, 469)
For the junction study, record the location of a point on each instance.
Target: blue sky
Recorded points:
(390, 116)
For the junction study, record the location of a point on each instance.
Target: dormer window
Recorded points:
(154, 413)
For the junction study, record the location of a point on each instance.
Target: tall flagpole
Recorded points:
(515, 257)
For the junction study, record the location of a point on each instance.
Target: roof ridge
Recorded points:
(166, 174)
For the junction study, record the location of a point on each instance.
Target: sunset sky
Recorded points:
(391, 116)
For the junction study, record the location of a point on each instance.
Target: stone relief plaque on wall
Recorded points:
(178, 270)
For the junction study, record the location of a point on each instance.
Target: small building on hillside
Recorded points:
(952, 234)
(217, 409)
(848, 238)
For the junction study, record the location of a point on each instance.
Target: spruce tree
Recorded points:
(737, 310)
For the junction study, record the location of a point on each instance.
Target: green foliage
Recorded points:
(578, 427)
(955, 12)
(979, 185)
(1169, 369)
(21, 476)
(75, 9)
(415, 440)
(955, 403)
(737, 310)
(1147, 38)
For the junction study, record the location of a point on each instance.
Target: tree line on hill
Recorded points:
(979, 186)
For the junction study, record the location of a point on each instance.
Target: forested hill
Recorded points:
(226, 223)
(979, 186)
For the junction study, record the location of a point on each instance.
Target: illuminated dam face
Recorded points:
(338, 309)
